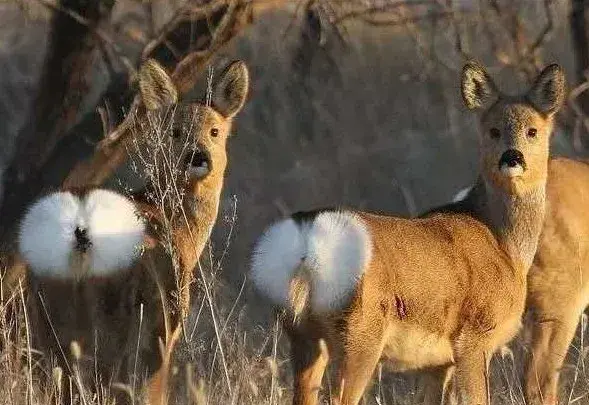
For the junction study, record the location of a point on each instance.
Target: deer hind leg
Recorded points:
(550, 343)
(363, 349)
(309, 359)
(359, 364)
(439, 386)
(471, 378)
(158, 386)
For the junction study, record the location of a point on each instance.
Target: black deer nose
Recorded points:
(198, 157)
(512, 158)
(83, 242)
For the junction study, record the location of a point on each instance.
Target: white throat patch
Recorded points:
(512, 171)
(47, 239)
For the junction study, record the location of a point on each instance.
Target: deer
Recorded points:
(440, 293)
(109, 275)
(558, 281)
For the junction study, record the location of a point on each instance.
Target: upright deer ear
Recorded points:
(156, 87)
(477, 87)
(548, 92)
(230, 91)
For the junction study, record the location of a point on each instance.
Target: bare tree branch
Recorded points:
(371, 13)
(103, 36)
(544, 35)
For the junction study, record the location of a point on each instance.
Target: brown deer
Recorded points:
(112, 274)
(558, 281)
(441, 293)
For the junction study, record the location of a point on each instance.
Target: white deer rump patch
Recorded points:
(335, 246)
(47, 238)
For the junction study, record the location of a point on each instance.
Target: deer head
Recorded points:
(514, 130)
(192, 135)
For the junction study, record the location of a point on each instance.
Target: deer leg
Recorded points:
(358, 367)
(364, 346)
(158, 386)
(550, 343)
(471, 378)
(309, 360)
(439, 386)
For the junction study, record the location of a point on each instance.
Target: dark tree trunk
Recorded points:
(579, 21)
(580, 36)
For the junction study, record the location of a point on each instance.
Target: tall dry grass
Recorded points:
(256, 367)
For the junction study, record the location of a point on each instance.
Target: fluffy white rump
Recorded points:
(461, 195)
(335, 247)
(47, 233)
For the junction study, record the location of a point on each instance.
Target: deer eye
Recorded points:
(532, 132)
(495, 133)
(214, 132)
(176, 133)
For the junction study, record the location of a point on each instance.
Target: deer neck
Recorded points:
(515, 219)
(189, 228)
(201, 206)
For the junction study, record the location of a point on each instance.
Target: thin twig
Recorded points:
(372, 11)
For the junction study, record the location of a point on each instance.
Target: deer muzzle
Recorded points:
(512, 163)
(198, 163)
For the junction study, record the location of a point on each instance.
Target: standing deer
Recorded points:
(441, 293)
(105, 271)
(558, 281)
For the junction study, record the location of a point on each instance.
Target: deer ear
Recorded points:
(477, 87)
(156, 87)
(231, 89)
(548, 92)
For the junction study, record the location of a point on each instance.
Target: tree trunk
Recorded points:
(579, 21)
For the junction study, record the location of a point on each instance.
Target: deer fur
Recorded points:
(558, 281)
(440, 293)
(96, 293)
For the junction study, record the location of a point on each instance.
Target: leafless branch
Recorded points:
(101, 34)
(544, 35)
(369, 13)
(458, 42)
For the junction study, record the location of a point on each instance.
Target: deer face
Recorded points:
(515, 130)
(192, 137)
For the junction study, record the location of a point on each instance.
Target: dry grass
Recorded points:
(257, 363)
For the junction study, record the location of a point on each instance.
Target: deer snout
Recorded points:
(198, 162)
(512, 163)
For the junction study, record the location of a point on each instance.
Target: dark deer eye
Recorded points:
(176, 133)
(214, 132)
(532, 132)
(495, 133)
